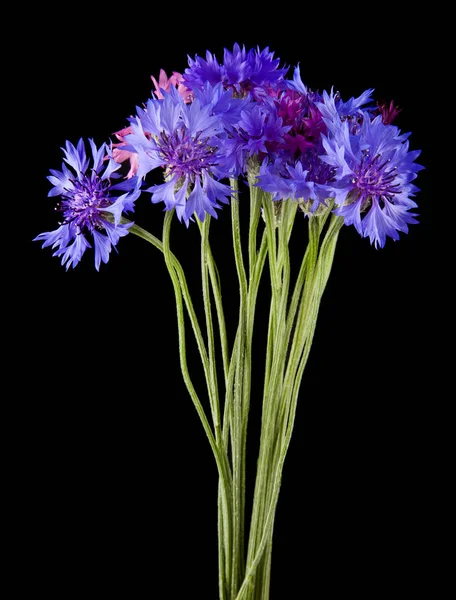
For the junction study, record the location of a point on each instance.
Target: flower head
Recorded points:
(284, 180)
(334, 149)
(294, 169)
(187, 142)
(374, 170)
(87, 191)
(241, 70)
(261, 129)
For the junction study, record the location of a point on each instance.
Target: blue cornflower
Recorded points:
(87, 193)
(187, 141)
(223, 104)
(373, 171)
(260, 129)
(244, 71)
(286, 181)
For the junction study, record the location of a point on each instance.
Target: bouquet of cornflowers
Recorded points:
(307, 160)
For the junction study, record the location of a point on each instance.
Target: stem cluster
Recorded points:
(245, 547)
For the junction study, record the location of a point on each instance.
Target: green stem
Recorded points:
(306, 326)
(301, 293)
(316, 224)
(254, 534)
(238, 397)
(148, 237)
(208, 269)
(223, 534)
(291, 330)
(252, 293)
(251, 301)
(220, 457)
(212, 384)
(307, 322)
(279, 262)
(208, 263)
(216, 290)
(222, 464)
(318, 273)
(255, 212)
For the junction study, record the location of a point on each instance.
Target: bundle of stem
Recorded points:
(293, 315)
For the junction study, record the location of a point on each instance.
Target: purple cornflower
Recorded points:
(293, 168)
(241, 70)
(286, 181)
(373, 174)
(87, 192)
(302, 107)
(187, 141)
(298, 168)
(282, 124)
(299, 112)
(260, 129)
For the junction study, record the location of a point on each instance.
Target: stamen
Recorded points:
(83, 204)
(186, 156)
(374, 178)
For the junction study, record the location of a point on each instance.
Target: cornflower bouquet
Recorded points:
(224, 133)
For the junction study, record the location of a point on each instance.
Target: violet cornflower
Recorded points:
(187, 142)
(87, 191)
(373, 173)
(251, 71)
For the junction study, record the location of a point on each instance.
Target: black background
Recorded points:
(116, 484)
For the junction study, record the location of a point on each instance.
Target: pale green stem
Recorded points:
(224, 557)
(316, 224)
(216, 289)
(237, 374)
(307, 320)
(248, 585)
(206, 260)
(273, 388)
(237, 420)
(322, 272)
(213, 384)
(148, 237)
(254, 281)
(220, 456)
(260, 481)
(263, 572)
(182, 348)
(255, 213)
(302, 291)
(271, 373)
(268, 211)
(285, 225)
(308, 312)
